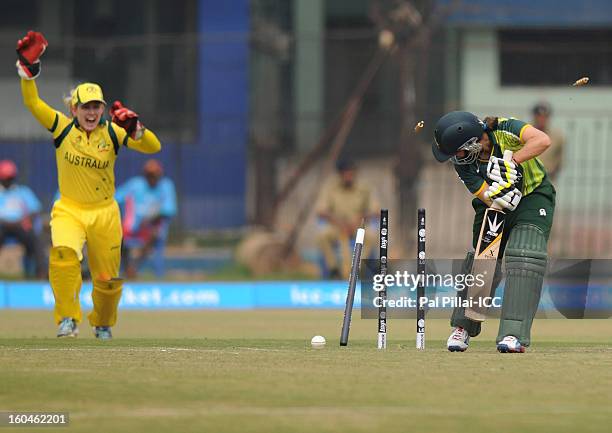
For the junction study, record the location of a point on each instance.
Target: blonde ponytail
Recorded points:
(68, 99)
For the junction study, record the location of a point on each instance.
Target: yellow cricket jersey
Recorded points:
(85, 164)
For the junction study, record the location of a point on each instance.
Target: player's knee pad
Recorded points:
(526, 251)
(63, 256)
(109, 286)
(64, 267)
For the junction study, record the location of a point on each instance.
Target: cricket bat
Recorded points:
(485, 257)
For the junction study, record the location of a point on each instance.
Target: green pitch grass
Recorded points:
(254, 371)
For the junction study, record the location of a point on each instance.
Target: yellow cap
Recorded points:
(87, 92)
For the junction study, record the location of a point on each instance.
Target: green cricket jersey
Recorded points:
(506, 136)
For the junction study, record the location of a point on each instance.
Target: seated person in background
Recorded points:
(148, 202)
(344, 205)
(18, 210)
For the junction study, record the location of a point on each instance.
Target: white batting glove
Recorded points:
(504, 172)
(505, 197)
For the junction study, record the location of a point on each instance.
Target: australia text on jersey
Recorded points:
(85, 161)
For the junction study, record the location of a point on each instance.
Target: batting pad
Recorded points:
(525, 268)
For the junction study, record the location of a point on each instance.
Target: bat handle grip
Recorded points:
(507, 157)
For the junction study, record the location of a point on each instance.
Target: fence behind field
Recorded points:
(237, 104)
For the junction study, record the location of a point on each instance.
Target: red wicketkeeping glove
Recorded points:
(127, 119)
(29, 50)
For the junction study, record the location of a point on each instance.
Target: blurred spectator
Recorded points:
(553, 157)
(19, 219)
(148, 203)
(345, 205)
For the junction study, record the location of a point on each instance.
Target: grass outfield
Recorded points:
(254, 371)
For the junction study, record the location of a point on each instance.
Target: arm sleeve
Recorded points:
(472, 180)
(168, 207)
(148, 143)
(46, 116)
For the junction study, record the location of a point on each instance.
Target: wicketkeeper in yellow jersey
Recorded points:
(86, 147)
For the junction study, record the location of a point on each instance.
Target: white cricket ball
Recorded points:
(318, 342)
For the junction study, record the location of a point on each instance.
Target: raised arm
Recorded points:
(29, 50)
(45, 115)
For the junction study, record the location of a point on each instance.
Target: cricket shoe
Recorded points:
(458, 340)
(67, 328)
(103, 333)
(510, 344)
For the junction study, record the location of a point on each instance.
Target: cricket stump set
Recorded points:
(487, 252)
(383, 265)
